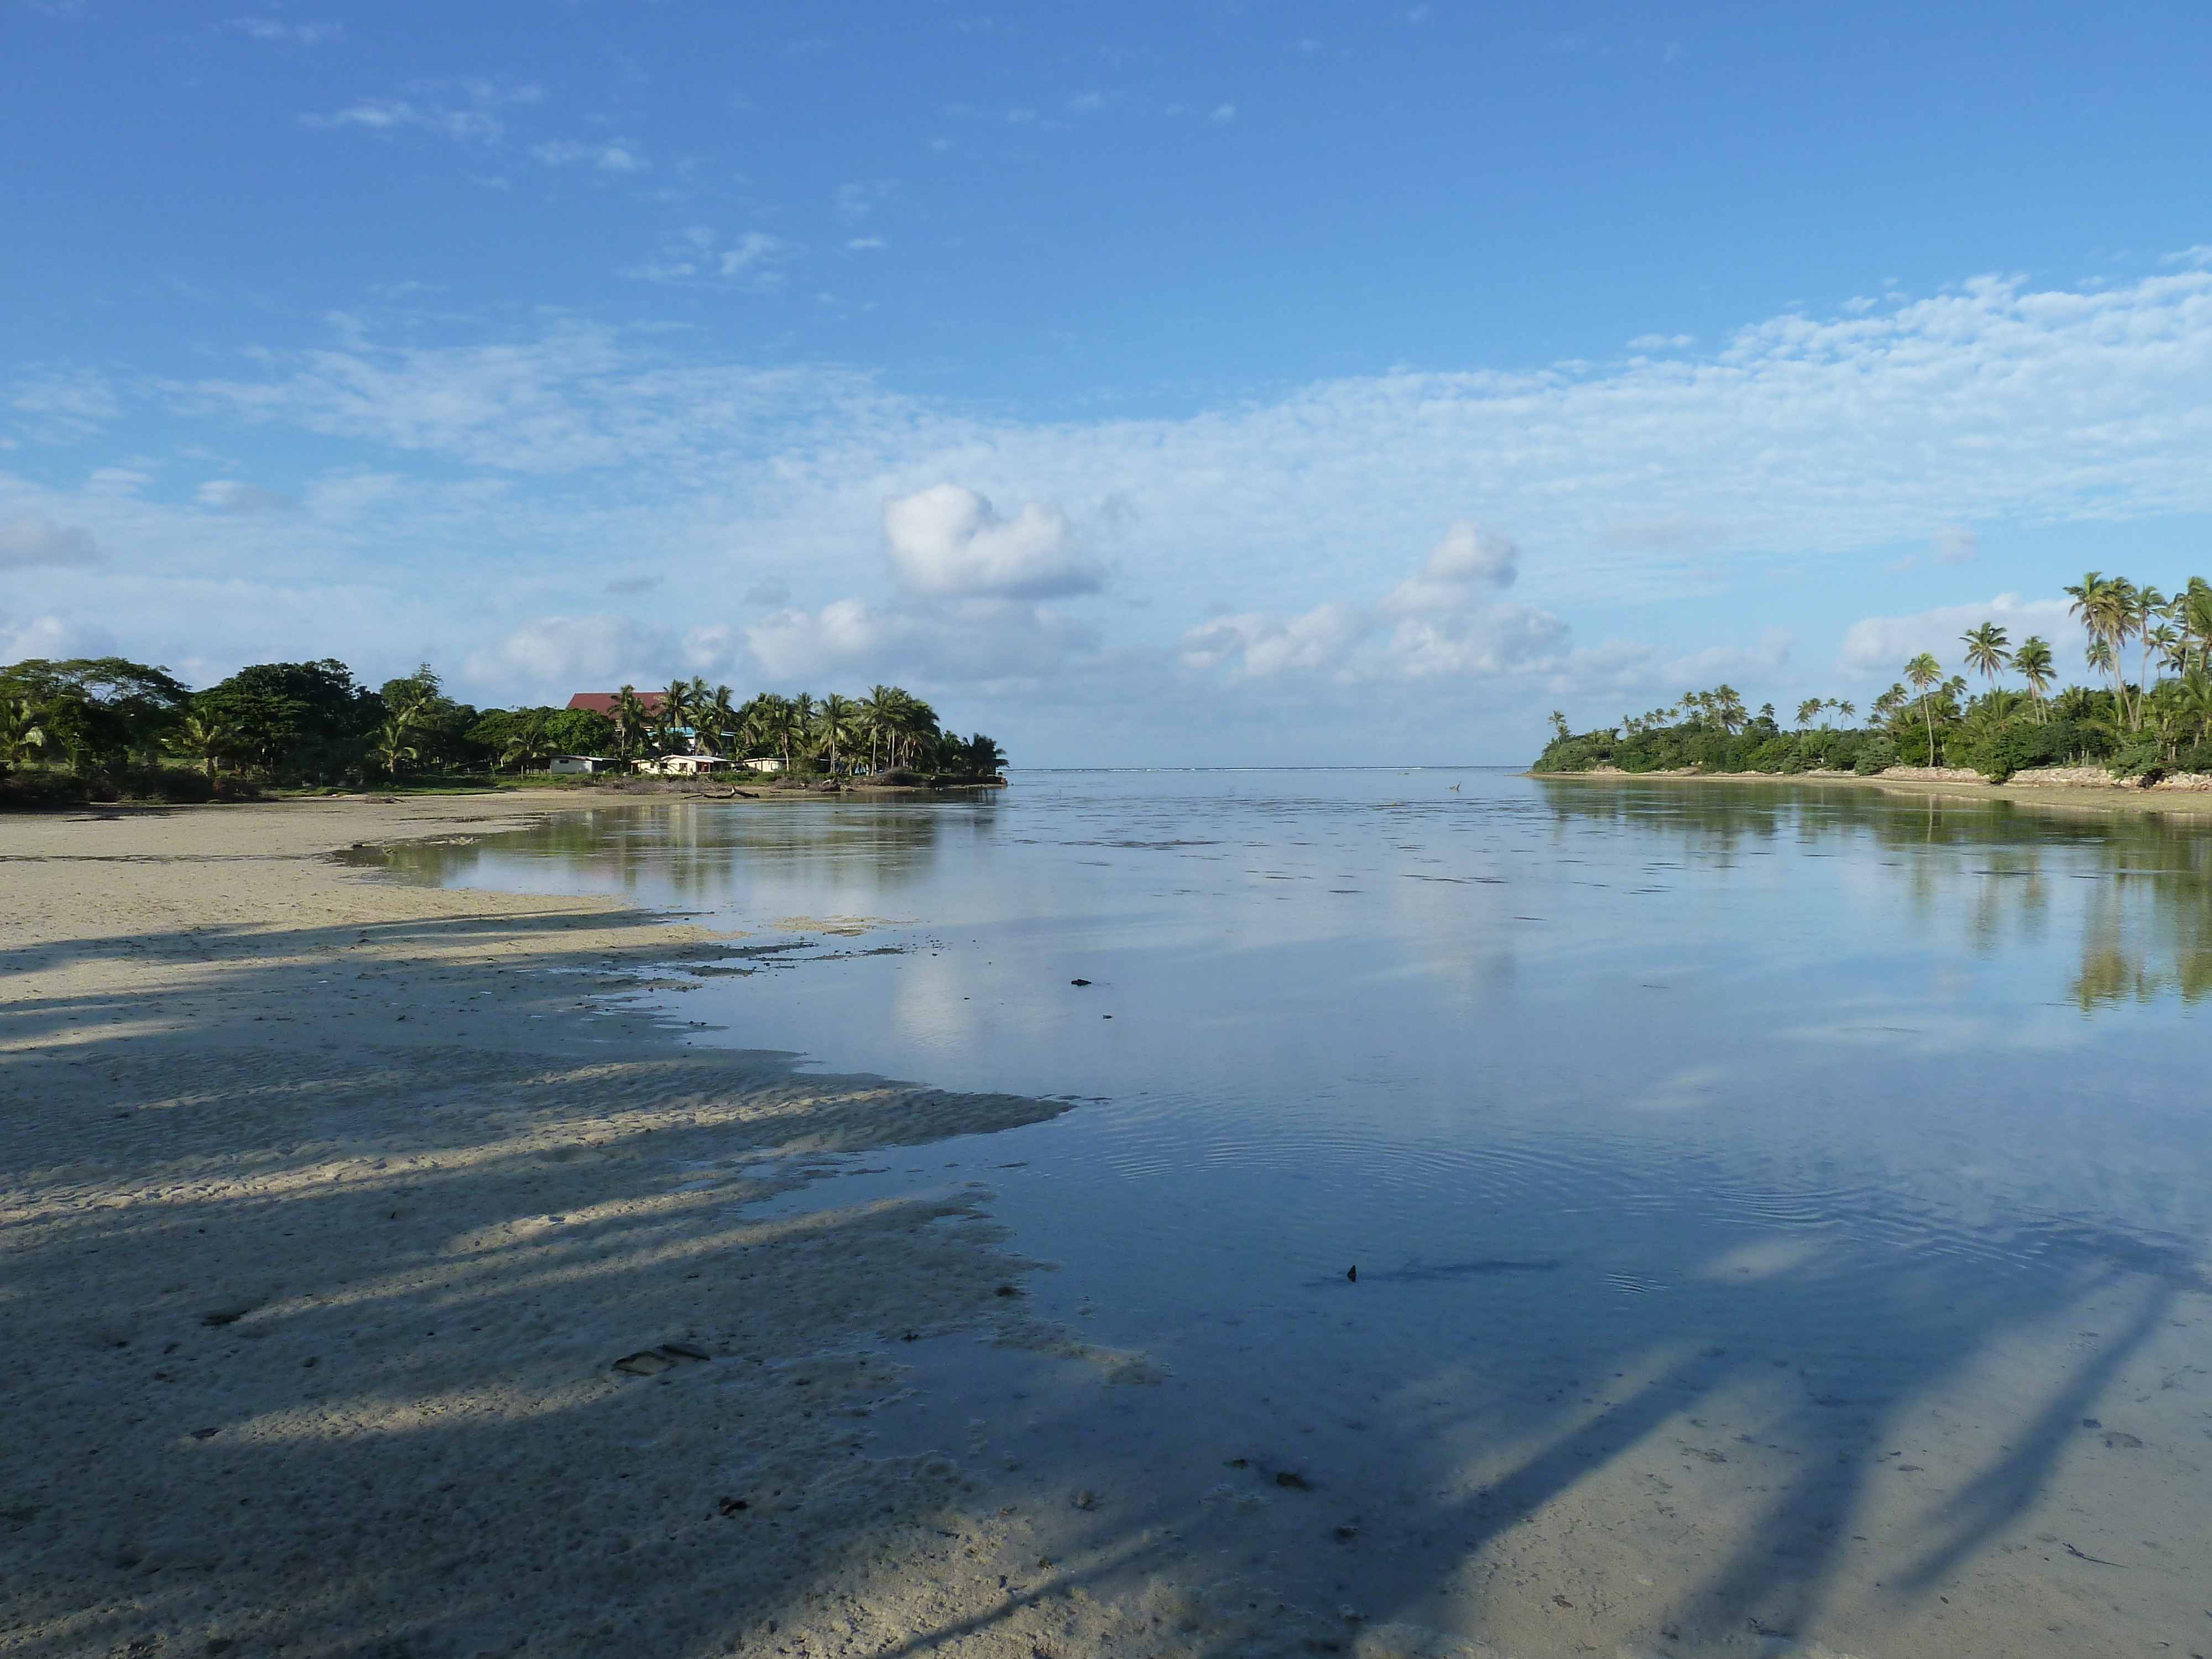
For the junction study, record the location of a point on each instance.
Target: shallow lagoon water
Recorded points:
(1777, 1209)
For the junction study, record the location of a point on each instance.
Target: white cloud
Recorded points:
(946, 541)
(302, 35)
(1954, 544)
(1223, 114)
(64, 405)
(755, 261)
(1469, 558)
(34, 540)
(1442, 622)
(621, 157)
(968, 643)
(52, 637)
(586, 653)
(1879, 646)
(228, 495)
(463, 111)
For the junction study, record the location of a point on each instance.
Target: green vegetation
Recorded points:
(2158, 722)
(106, 729)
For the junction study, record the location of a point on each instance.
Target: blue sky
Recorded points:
(1146, 383)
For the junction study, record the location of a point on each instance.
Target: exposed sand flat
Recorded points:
(330, 1206)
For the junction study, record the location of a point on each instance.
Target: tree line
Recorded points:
(107, 726)
(2160, 720)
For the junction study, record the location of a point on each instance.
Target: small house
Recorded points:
(765, 763)
(581, 763)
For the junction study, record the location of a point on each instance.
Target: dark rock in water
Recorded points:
(1352, 1273)
(730, 1506)
(1078, 982)
(1295, 1482)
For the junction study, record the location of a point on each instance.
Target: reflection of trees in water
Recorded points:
(2147, 916)
(702, 850)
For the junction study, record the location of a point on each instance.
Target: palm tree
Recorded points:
(802, 719)
(525, 747)
(878, 710)
(2032, 662)
(210, 739)
(1985, 650)
(2193, 693)
(715, 717)
(20, 732)
(835, 722)
(2147, 609)
(774, 722)
(674, 714)
(1843, 706)
(389, 746)
(630, 717)
(1807, 710)
(1923, 671)
(2194, 608)
(2105, 607)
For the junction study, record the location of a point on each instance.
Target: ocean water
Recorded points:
(1779, 1213)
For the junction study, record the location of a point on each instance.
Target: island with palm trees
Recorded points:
(2148, 723)
(107, 728)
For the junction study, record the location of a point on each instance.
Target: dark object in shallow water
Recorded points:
(1422, 1273)
(1295, 1482)
(1078, 982)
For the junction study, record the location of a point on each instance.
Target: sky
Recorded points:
(1144, 384)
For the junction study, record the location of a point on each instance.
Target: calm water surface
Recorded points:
(1855, 1141)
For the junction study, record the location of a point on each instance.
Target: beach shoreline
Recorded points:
(386, 1273)
(2080, 797)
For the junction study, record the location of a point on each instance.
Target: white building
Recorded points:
(581, 763)
(765, 763)
(683, 766)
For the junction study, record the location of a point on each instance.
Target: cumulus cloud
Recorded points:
(1441, 621)
(33, 539)
(1468, 559)
(52, 637)
(946, 542)
(966, 642)
(578, 651)
(1879, 646)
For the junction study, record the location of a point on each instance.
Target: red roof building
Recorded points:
(603, 703)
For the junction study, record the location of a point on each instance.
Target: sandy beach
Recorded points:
(389, 1271)
(379, 1282)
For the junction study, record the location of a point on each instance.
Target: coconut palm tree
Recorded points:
(715, 717)
(2032, 662)
(774, 722)
(674, 717)
(389, 749)
(20, 731)
(630, 718)
(1985, 650)
(1923, 671)
(2105, 607)
(1807, 711)
(836, 722)
(207, 738)
(2193, 607)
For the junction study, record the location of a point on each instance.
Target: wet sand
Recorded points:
(333, 1209)
(385, 1275)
